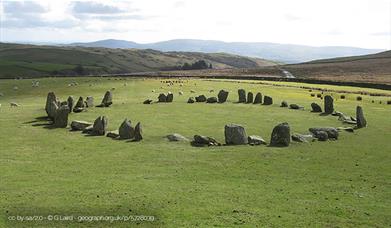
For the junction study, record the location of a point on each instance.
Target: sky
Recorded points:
(359, 23)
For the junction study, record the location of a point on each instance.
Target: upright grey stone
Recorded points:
(79, 107)
(250, 97)
(138, 132)
(267, 100)
(70, 103)
(281, 135)
(361, 121)
(89, 102)
(126, 131)
(162, 97)
(222, 96)
(61, 118)
(316, 108)
(242, 96)
(52, 110)
(100, 126)
(107, 99)
(51, 97)
(258, 98)
(328, 104)
(170, 97)
(235, 135)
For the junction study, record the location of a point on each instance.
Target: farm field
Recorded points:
(46, 171)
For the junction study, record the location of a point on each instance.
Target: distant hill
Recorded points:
(375, 68)
(286, 53)
(21, 60)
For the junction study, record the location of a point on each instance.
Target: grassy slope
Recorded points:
(368, 68)
(345, 183)
(29, 60)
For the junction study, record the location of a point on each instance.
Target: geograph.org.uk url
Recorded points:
(82, 218)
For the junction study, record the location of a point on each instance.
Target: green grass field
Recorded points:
(43, 171)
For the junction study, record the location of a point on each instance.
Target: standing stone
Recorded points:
(107, 99)
(200, 98)
(170, 97)
(162, 97)
(258, 98)
(284, 104)
(316, 108)
(242, 96)
(52, 110)
(250, 97)
(191, 100)
(361, 121)
(70, 103)
(235, 135)
(126, 131)
(89, 102)
(49, 99)
(61, 118)
(267, 100)
(281, 135)
(328, 104)
(79, 107)
(138, 132)
(211, 100)
(100, 126)
(223, 95)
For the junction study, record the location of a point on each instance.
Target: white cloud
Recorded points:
(363, 23)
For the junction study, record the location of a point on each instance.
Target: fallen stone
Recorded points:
(211, 100)
(316, 108)
(113, 134)
(190, 100)
(284, 104)
(295, 106)
(200, 141)
(302, 138)
(176, 137)
(78, 125)
(254, 140)
(348, 129)
(148, 101)
(331, 132)
(322, 136)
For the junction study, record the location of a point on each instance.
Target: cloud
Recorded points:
(30, 14)
(179, 4)
(95, 8)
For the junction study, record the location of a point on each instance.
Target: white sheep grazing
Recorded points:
(13, 104)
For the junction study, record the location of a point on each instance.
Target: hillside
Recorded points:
(374, 68)
(17, 60)
(287, 53)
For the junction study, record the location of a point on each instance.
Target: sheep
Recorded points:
(13, 104)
